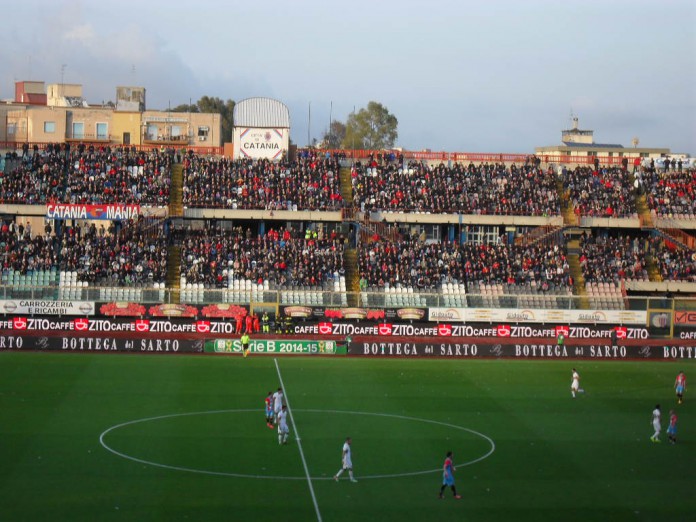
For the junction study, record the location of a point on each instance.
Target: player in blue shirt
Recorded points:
(448, 476)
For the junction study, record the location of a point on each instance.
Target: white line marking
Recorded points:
(299, 444)
(427, 421)
(281, 477)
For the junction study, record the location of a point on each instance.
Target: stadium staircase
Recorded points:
(653, 270)
(346, 185)
(539, 235)
(176, 209)
(678, 236)
(646, 220)
(576, 274)
(352, 276)
(176, 192)
(567, 210)
(174, 272)
(350, 253)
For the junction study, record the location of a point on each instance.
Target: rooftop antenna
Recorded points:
(573, 120)
(62, 79)
(330, 119)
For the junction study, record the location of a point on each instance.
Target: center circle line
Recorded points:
(280, 477)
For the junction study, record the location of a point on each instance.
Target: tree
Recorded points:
(185, 107)
(333, 138)
(213, 105)
(371, 128)
(224, 109)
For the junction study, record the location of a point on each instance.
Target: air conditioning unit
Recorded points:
(201, 138)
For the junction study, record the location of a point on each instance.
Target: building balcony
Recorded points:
(150, 139)
(89, 137)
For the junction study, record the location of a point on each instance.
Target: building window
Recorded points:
(592, 153)
(483, 235)
(176, 132)
(152, 132)
(78, 131)
(203, 132)
(102, 131)
(11, 128)
(49, 127)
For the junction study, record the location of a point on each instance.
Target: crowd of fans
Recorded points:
(24, 252)
(671, 194)
(309, 183)
(485, 189)
(128, 256)
(88, 175)
(608, 258)
(674, 263)
(287, 257)
(425, 266)
(282, 257)
(604, 192)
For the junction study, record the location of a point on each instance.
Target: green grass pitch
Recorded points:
(197, 452)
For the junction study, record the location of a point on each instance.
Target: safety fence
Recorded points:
(354, 155)
(309, 297)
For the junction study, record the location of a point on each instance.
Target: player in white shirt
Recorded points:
(346, 461)
(283, 430)
(277, 403)
(575, 385)
(656, 423)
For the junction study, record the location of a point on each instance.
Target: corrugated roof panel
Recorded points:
(261, 112)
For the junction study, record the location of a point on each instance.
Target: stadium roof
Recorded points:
(261, 112)
(593, 145)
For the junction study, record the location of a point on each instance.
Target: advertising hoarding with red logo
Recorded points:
(110, 212)
(533, 315)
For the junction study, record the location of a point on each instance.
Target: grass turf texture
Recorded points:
(555, 458)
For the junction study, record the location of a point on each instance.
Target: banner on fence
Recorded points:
(447, 350)
(276, 346)
(110, 212)
(99, 344)
(304, 329)
(46, 307)
(533, 315)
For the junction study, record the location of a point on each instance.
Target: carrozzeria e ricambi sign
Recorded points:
(46, 307)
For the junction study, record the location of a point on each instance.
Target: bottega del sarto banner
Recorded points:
(449, 350)
(98, 344)
(284, 346)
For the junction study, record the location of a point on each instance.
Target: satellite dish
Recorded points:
(635, 141)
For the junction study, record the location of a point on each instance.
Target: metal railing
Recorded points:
(333, 299)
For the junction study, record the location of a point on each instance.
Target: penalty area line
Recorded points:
(299, 443)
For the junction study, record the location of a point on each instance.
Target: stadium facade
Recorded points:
(59, 113)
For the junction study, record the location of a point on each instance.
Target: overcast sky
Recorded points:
(460, 76)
